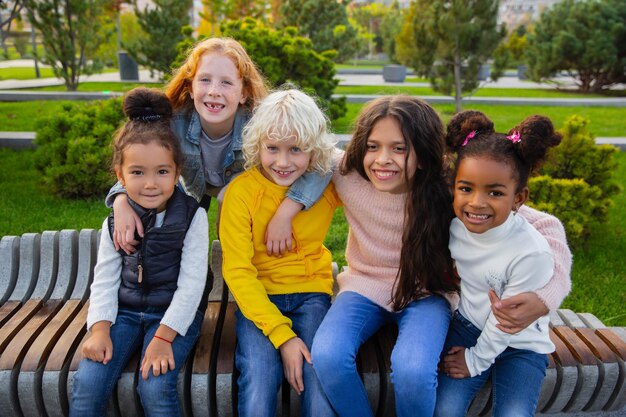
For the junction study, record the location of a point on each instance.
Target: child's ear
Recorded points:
(120, 177)
(520, 198)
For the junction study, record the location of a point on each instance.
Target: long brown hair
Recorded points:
(425, 262)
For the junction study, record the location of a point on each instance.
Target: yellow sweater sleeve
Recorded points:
(239, 271)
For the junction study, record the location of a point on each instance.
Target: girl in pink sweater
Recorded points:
(398, 205)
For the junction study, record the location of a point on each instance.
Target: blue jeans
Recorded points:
(260, 364)
(516, 375)
(352, 319)
(94, 382)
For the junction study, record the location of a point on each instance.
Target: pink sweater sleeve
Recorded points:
(553, 293)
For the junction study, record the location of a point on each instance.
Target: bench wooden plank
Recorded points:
(31, 372)
(9, 265)
(11, 358)
(54, 381)
(27, 276)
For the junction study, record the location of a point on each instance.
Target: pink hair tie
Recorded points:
(469, 136)
(514, 137)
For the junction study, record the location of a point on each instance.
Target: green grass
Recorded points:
(97, 86)
(28, 73)
(605, 121)
(599, 273)
(21, 116)
(24, 73)
(483, 92)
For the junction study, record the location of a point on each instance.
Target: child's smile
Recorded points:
(485, 193)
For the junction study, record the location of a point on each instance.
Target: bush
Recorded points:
(573, 201)
(578, 183)
(73, 148)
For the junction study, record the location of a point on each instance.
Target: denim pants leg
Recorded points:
(422, 329)
(307, 310)
(260, 364)
(454, 396)
(260, 370)
(94, 382)
(158, 394)
(351, 320)
(517, 376)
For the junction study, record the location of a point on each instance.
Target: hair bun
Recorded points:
(146, 104)
(463, 124)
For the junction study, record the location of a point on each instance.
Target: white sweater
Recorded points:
(103, 301)
(511, 259)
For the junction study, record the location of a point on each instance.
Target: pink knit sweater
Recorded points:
(376, 222)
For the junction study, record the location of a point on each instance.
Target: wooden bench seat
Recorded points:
(44, 291)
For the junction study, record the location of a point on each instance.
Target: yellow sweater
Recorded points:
(249, 204)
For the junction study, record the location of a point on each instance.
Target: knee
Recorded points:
(413, 375)
(157, 390)
(329, 358)
(449, 406)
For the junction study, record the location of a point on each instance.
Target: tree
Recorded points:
(284, 57)
(162, 24)
(71, 34)
(390, 27)
(585, 38)
(317, 19)
(449, 40)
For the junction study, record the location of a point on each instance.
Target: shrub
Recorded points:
(573, 201)
(73, 148)
(578, 182)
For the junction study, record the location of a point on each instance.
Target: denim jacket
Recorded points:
(186, 125)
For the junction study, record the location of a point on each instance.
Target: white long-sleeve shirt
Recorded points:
(103, 301)
(510, 259)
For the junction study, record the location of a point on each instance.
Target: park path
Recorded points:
(346, 77)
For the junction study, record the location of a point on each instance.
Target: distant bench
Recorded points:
(44, 291)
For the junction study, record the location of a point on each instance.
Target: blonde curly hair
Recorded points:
(282, 115)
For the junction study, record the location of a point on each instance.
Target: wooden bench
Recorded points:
(44, 291)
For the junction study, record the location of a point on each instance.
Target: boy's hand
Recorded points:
(278, 234)
(126, 222)
(98, 347)
(159, 356)
(516, 313)
(292, 352)
(454, 363)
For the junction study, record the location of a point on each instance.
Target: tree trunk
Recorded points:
(457, 83)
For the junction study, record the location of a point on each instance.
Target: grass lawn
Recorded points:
(98, 86)
(599, 273)
(605, 121)
(483, 92)
(28, 73)
(21, 115)
(25, 73)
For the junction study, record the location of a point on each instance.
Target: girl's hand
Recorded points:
(278, 234)
(454, 363)
(292, 352)
(98, 347)
(159, 356)
(126, 222)
(516, 313)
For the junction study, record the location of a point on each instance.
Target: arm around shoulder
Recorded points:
(557, 288)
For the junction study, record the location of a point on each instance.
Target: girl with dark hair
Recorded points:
(150, 299)
(397, 251)
(495, 250)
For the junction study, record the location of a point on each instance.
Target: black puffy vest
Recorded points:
(158, 254)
